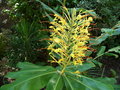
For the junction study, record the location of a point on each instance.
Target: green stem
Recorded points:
(64, 2)
(100, 55)
(103, 72)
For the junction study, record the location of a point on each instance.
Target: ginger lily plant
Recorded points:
(68, 47)
(69, 38)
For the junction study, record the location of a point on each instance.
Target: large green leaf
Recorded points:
(96, 85)
(71, 84)
(33, 77)
(99, 39)
(106, 80)
(30, 77)
(80, 82)
(104, 35)
(111, 32)
(55, 83)
(81, 68)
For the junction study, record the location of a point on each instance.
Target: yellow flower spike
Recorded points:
(69, 37)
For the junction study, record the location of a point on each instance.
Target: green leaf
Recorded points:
(27, 65)
(86, 66)
(39, 77)
(55, 83)
(88, 53)
(106, 32)
(115, 49)
(46, 7)
(29, 78)
(94, 61)
(111, 32)
(96, 85)
(101, 51)
(117, 87)
(112, 54)
(107, 80)
(99, 39)
(117, 31)
(50, 18)
(92, 13)
(80, 82)
(81, 68)
(72, 84)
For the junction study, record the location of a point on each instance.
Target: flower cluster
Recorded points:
(69, 37)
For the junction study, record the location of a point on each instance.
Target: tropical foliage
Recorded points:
(60, 45)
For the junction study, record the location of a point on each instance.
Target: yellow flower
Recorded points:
(74, 24)
(75, 62)
(82, 54)
(87, 23)
(81, 43)
(60, 60)
(77, 72)
(90, 19)
(83, 48)
(72, 55)
(58, 50)
(84, 38)
(79, 17)
(84, 31)
(52, 61)
(51, 27)
(57, 40)
(63, 21)
(55, 19)
(58, 28)
(79, 62)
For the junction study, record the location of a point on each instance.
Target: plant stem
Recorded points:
(103, 72)
(64, 2)
(100, 55)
